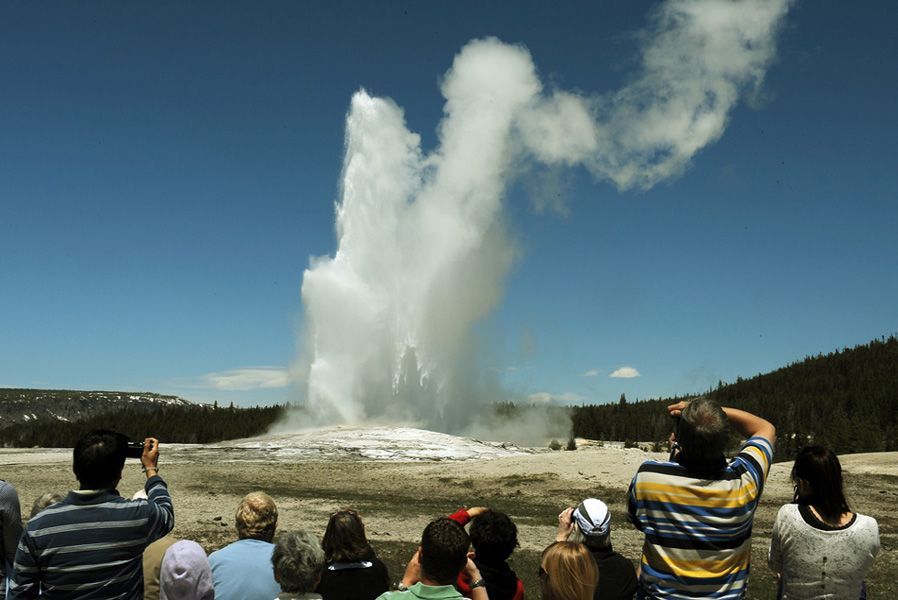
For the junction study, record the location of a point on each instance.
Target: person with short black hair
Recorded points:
(435, 566)
(297, 561)
(589, 523)
(91, 544)
(494, 536)
(242, 569)
(819, 548)
(352, 570)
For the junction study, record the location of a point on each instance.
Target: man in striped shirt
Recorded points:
(696, 509)
(90, 545)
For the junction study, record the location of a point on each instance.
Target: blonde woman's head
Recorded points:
(257, 517)
(567, 572)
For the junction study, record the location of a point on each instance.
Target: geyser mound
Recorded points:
(389, 443)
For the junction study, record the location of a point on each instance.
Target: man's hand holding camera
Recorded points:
(150, 457)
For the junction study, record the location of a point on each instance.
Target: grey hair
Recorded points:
(297, 560)
(593, 542)
(703, 431)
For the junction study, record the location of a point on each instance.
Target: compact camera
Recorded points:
(134, 449)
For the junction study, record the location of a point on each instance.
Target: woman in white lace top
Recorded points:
(819, 548)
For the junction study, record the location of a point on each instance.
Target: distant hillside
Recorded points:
(57, 418)
(25, 405)
(846, 400)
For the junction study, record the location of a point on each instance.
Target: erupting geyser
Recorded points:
(422, 246)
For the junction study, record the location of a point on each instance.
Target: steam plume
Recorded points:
(422, 246)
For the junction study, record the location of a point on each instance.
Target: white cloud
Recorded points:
(247, 378)
(549, 398)
(590, 373)
(625, 373)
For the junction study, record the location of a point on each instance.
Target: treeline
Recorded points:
(846, 400)
(191, 424)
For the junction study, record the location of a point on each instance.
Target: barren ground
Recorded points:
(398, 498)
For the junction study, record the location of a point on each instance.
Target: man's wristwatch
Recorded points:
(478, 583)
(401, 586)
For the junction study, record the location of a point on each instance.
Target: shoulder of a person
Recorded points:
(866, 521)
(226, 550)
(790, 508)
(623, 561)
(757, 441)
(7, 490)
(787, 513)
(654, 462)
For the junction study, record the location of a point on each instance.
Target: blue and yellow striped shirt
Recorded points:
(697, 526)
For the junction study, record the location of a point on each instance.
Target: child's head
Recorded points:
(493, 535)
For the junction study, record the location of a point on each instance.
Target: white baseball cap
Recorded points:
(593, 517)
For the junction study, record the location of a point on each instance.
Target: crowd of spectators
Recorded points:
(695, 511)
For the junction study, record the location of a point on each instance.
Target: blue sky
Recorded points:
(168, 169)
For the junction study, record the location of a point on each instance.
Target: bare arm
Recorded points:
(473, 573)
(412, 571)
(747, 424)
(150, 458)
(565, 524)
(750, 425)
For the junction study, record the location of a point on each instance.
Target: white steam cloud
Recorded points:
(422, 246)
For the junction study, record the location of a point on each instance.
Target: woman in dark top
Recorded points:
(352, 571)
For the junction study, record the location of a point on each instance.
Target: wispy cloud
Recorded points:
(624, 373)
(549, 398)
(590, 373)
(247, 378)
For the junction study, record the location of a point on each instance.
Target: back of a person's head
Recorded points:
(185, 573)
(344, 539)
(821, 472)
(444, 550)
(257, 517)
(43, 501)
(591, 522)
(297, 560)
(568, 572)
(98, 458)
(494, 536)
(703, 432)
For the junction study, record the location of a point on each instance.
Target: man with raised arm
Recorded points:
(90, 545)
(696, 509)
(435, 566)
